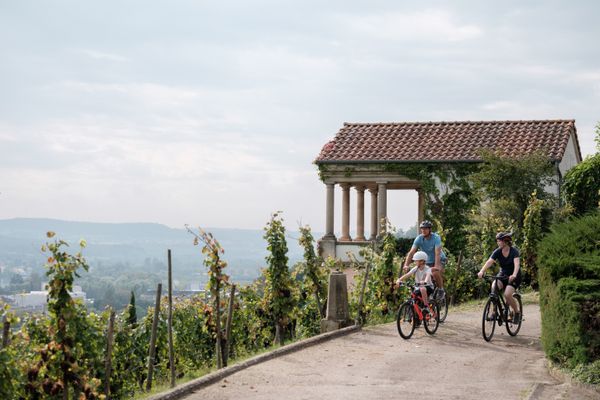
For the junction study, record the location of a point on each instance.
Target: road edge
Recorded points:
(191, 386)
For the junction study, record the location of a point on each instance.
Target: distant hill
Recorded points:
(137, 246)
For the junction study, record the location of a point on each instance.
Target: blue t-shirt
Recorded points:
(429, 245)
(507, 264)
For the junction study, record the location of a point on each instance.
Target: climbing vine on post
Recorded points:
(212, 252)
(277, 300)
(61, 370)
(532, 234)
(311, 268)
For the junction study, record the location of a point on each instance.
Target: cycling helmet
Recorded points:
(420, 256)
(426, 224)
(504, 236)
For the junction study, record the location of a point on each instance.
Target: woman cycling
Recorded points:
(510, 274)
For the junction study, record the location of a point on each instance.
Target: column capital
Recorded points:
(360, 188)
(345, 185)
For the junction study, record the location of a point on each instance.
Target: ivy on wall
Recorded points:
(449, 196)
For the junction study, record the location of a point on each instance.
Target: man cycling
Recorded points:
(431, 244)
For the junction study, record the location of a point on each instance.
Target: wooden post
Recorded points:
(228, 326)
(359, 317)
(170, 321)
(108, 356)
(219, 347)
(458, 264)
(5, 332)
(152, 350)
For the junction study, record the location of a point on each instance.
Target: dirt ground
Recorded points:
(376, 363)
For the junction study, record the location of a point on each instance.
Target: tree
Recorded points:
(581, 187)
(131, 311)
(513, 179)
(311, 268)
(278, 299)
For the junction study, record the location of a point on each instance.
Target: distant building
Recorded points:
(37, 300)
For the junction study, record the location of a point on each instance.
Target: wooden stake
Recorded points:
(228, 325)
(170, 322)
(152, 350)
(5, 333)
(108, 356)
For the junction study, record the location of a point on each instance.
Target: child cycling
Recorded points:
(422, 275)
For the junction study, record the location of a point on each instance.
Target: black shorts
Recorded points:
(515, 283)
(429, 289)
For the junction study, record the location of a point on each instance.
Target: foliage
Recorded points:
(513, 179)
(314, 276)
(460, 280)
(569, 278)
(278, 300)
(581, 186)
(448, 208)
(212, 251)
(131, 311)
(380, 299)
(63, 365)
(532, 234)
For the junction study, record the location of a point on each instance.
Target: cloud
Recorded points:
(429, 25)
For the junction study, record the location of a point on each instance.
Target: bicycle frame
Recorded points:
(498, 299)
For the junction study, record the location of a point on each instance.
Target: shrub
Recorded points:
(581, 186)
(569, 277)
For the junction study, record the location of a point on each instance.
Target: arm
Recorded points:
(409, 257)
(516, 270)
(487, 264)
(438, 257)
(409, 273)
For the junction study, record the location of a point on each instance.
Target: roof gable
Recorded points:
(445, 141)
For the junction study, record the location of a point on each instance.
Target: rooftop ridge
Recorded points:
(461, 122)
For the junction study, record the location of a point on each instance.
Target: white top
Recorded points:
(423, 275)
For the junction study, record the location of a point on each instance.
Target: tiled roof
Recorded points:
(445, 141)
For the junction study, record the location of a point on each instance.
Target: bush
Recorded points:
(569, 277)
(581, 186)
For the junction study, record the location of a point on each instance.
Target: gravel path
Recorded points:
(376, 363)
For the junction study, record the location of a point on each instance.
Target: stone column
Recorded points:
(381, 206)
(337, 316)
(421, 215)
(373, 213)
(360, 213)
(345, 212)
(329, 212)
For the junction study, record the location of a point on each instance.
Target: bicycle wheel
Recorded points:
(432, 321)
(513, 327)
(443, 309)
(488, 323)
(405, 320)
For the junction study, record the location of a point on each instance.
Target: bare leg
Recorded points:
(438, 277)
(424, 295)
(508, 296)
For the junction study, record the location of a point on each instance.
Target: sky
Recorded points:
(210, 113)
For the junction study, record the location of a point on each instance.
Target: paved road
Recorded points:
(376, 363)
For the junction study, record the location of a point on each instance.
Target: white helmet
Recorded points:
(420, 256)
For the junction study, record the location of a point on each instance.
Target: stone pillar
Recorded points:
(345, 212)
(337, 316)
(381, 206)
(329, 212)
(360, 213)
(421, 211)
(327, 244)
(374, 223)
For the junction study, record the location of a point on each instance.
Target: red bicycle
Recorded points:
(410, 315)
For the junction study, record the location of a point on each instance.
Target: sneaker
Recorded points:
(441, 294)
(426, 310)
(516, 318)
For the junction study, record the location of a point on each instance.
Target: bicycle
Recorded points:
(410, 315)
(497, 311)
(441, 303)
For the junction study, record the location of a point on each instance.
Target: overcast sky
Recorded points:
(211, 112)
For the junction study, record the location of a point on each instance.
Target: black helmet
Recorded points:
(504, 236)
(426, 224)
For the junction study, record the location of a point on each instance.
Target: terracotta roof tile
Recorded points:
(445, 141)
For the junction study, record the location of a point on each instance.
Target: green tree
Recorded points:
(532, 234)
(513, 179)
(581, 187)
(131, 311)
(278, 299)
(314, 275)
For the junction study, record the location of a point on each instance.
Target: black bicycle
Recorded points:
(441, 303)
(497, 311)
